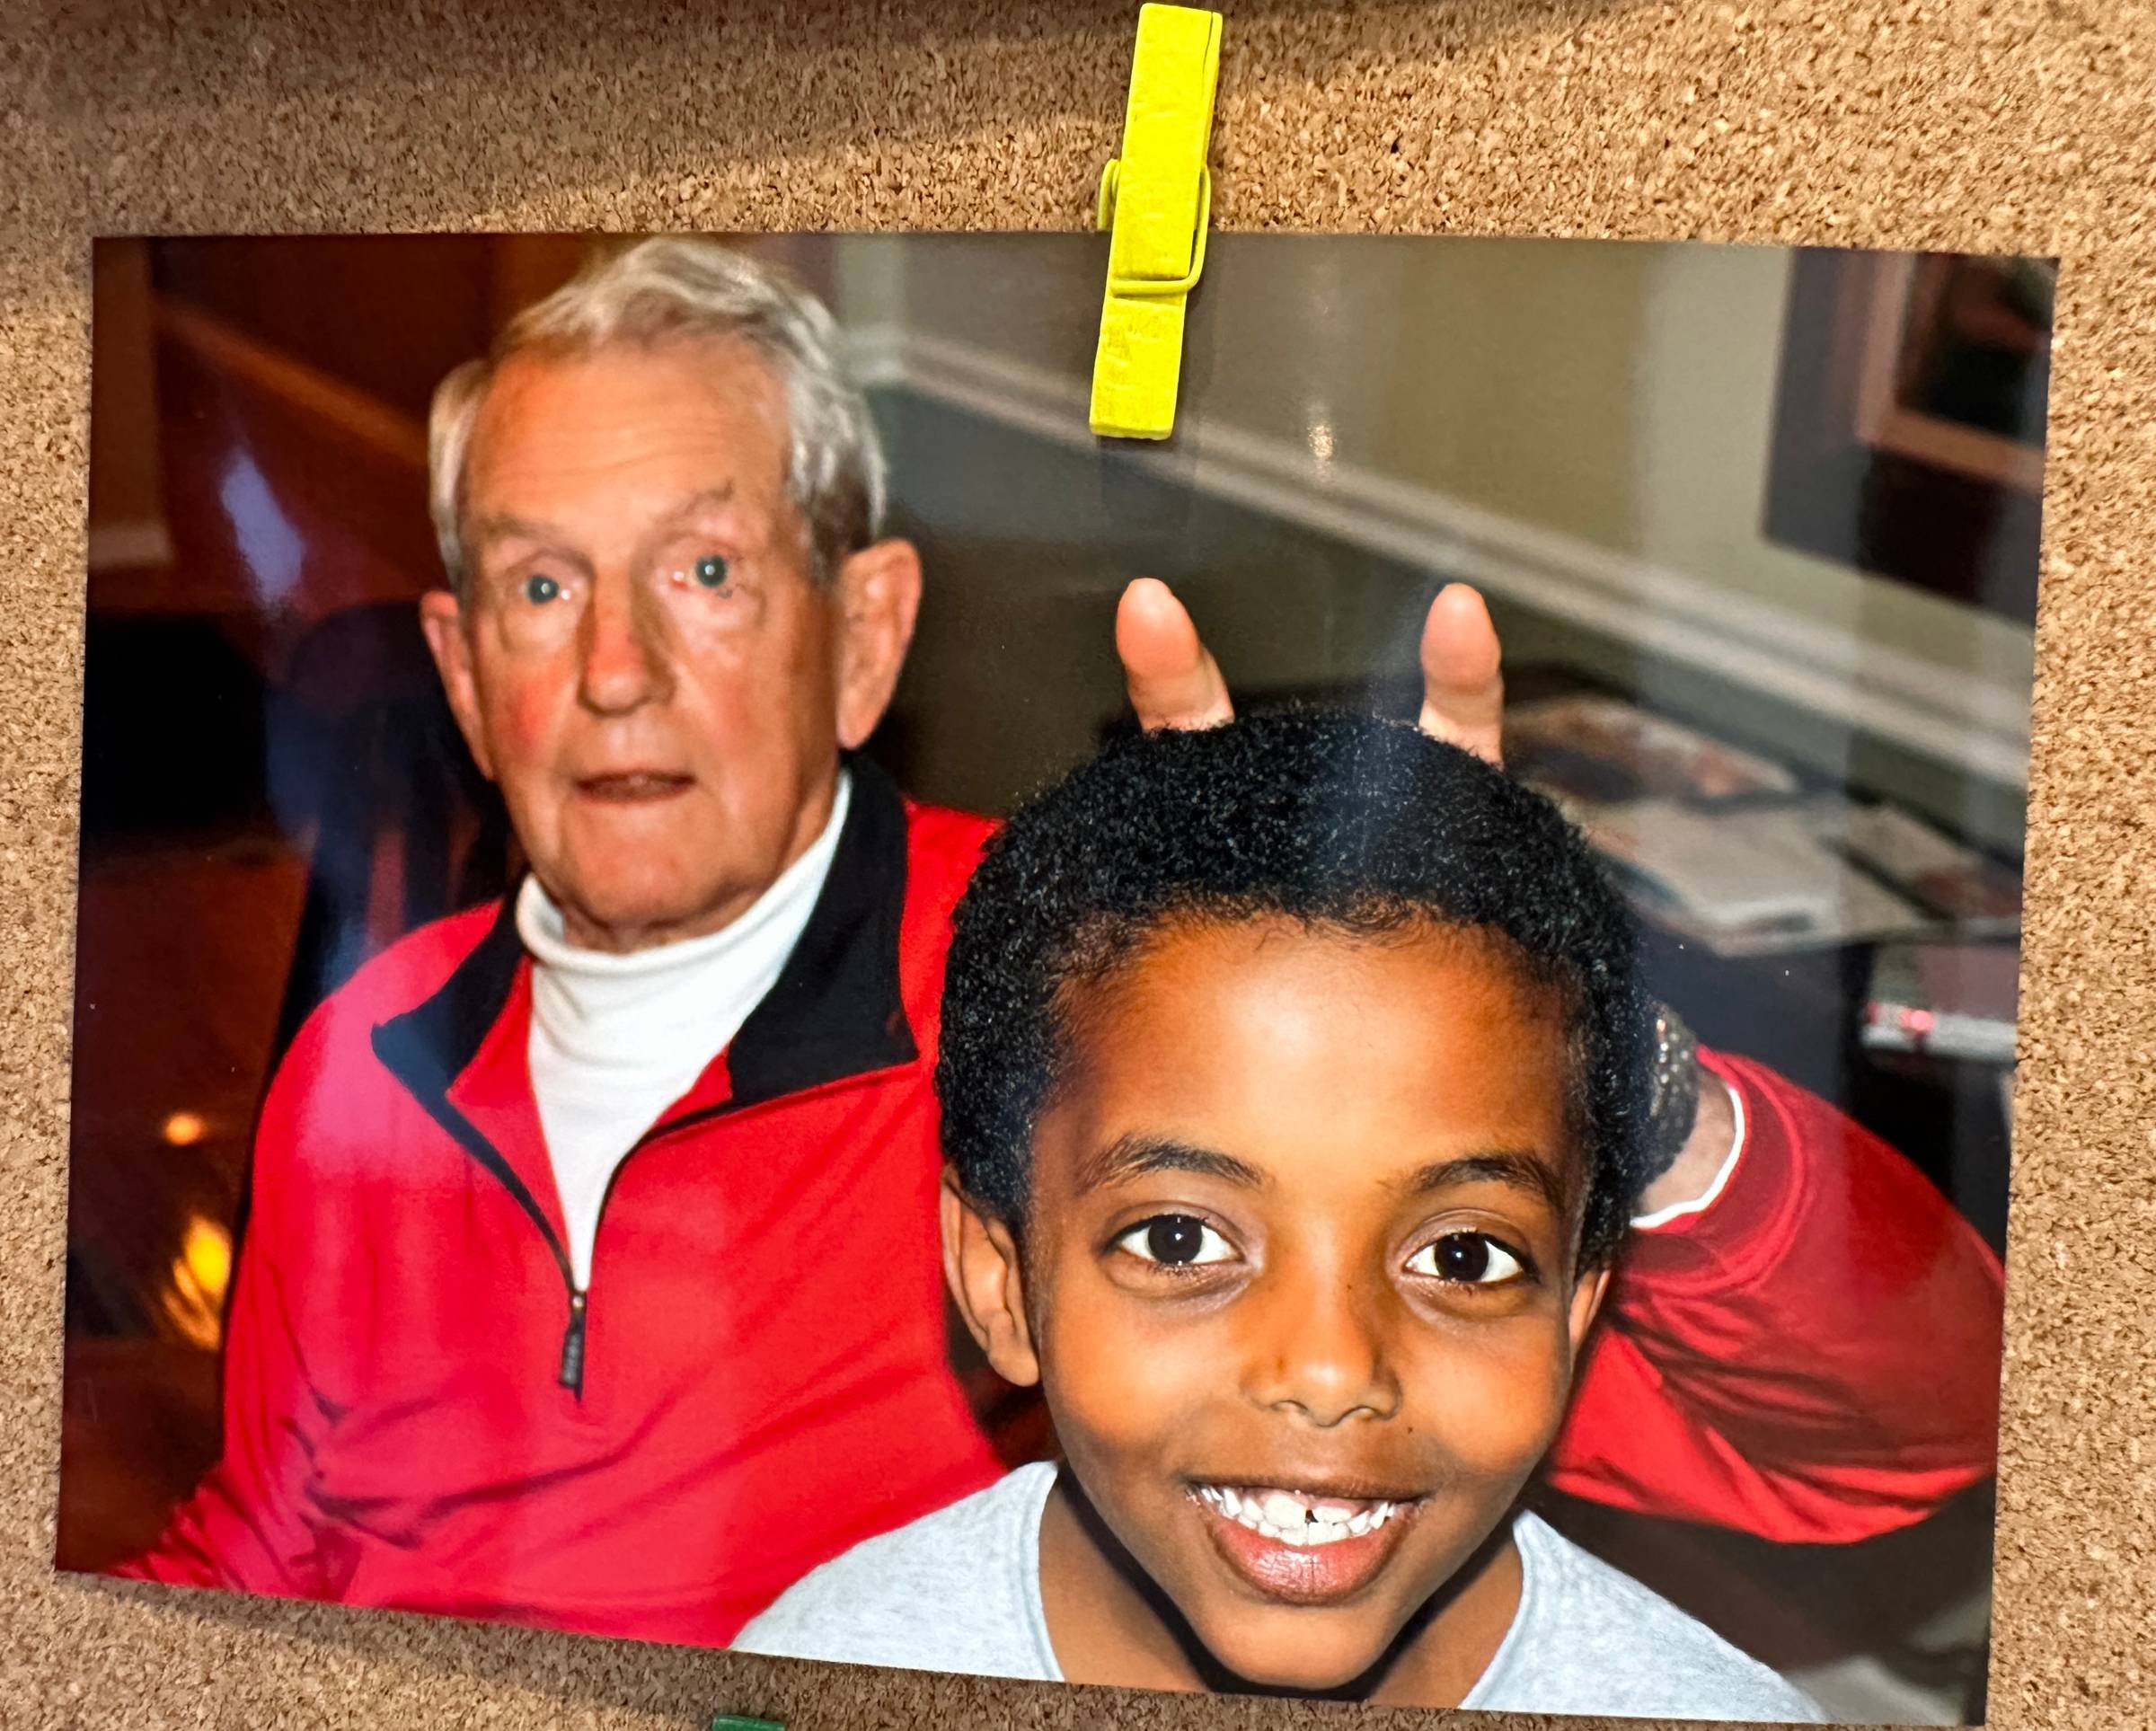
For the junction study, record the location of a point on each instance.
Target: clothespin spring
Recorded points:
(1104, 217)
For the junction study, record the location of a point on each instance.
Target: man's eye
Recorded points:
(1176, 1242)
(540, 588)
(1467, 1259)
(710, 572)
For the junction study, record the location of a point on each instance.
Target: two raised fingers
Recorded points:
(1174, 681)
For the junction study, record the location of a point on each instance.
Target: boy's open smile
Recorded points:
(1305, 1546)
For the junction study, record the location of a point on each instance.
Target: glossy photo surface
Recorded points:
(537, 1154)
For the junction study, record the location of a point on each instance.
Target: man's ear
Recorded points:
(878, 593)
(443, 621)
(980, 1265)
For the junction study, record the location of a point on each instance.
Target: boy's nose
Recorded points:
(1320, 1352)
(622, 663)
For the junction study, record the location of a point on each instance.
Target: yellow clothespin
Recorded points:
(1157, 198)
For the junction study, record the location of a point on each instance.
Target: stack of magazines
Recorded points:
(1727, 848)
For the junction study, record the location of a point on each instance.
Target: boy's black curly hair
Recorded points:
(1344, 822)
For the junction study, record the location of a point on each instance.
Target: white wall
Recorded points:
(1701, 433)
(1620, 395)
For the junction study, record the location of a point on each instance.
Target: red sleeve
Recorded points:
(244, 1528)
(1814, 1358)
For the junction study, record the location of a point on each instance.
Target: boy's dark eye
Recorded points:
(710, 572)
(1176, 1242)
(540, 588)
(1467, 1259)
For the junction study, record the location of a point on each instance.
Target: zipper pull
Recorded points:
(572, 1346)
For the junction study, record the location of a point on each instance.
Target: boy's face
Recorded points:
(1299, 1260)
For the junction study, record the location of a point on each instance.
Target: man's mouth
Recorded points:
(632, 787)
(1308, 1547)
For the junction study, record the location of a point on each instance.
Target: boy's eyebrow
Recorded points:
(1522, 1171)
(1135, 1154)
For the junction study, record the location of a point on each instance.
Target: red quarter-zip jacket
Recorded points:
(421, 1411)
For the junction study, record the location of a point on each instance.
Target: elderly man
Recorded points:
(592, 1278)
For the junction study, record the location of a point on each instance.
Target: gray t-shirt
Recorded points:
(959, 1590)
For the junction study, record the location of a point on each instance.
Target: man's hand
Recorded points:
(1704, 1154)
(1174, 681)
(1172, 678)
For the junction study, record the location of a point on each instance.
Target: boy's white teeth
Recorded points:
(1289, 1517)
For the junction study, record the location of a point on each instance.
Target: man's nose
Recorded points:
(624, 663)
(1319, 1350)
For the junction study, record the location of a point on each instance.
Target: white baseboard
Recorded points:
(1945, 715)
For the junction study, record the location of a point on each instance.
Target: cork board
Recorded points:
(2020, 130)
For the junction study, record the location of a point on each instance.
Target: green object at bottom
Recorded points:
(735, 1722)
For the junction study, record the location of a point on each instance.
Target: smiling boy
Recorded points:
(1293, 1077)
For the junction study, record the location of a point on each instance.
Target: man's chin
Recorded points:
(624, 917)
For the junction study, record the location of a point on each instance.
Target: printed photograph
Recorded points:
(736, 987)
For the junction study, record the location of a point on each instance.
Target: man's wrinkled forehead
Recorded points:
(627, 428)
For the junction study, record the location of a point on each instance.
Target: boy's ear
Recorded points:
(1587, 1289)
(980, 1265)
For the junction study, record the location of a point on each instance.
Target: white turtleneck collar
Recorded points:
(616, 1039)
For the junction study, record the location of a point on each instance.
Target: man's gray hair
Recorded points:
(682, 288)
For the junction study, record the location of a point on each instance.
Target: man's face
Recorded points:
(642, 660)
(1299, 1260)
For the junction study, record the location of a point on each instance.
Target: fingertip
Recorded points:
(1140, 603)
(1459, 640)
(1153, 633)
(1461, 599)
(1149, 598)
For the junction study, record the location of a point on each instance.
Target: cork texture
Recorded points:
(2025, 125)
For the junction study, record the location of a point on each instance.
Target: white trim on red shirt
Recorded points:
(1699, 1203)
